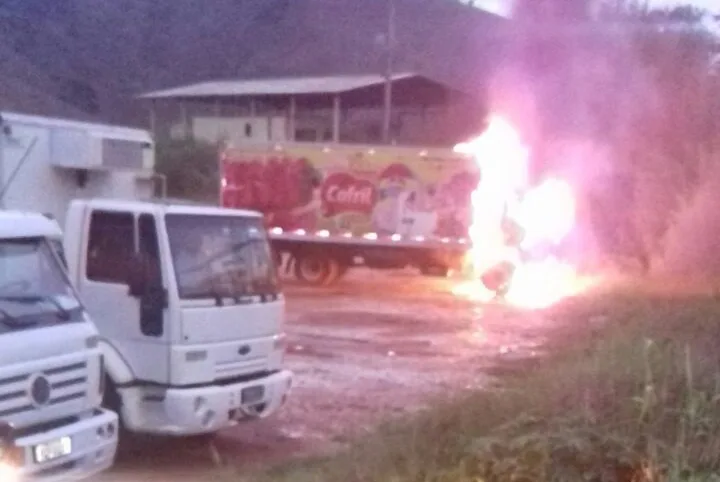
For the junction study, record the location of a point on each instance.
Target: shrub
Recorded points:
(191, 168)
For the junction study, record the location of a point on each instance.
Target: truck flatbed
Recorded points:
(321, 257)
(374, 239)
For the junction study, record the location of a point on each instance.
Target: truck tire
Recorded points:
(436, 271)
(113, 401)
(335, 271)
(313, 269)
(342, 270)
(283, 264)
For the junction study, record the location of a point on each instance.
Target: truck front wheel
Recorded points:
(112, 400)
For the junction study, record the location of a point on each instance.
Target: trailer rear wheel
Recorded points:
(318, 269)
(336, 270)
(312, 268)
(437, 271)
(342, 270)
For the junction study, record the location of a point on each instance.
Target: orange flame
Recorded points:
(545, 213)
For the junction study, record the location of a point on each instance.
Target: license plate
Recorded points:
(52, 450)
(252, 394)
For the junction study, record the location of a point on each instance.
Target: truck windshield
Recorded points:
(221, 256)
(34, 290)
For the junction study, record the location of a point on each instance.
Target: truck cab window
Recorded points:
(110, 246)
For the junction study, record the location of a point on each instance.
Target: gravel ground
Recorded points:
(374, 346)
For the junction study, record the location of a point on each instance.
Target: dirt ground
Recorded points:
(374, 346)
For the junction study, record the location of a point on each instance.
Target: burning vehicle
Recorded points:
(518, 228)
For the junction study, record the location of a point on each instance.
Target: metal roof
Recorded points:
(101, 129)
(278, 86)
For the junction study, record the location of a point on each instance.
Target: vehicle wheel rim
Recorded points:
(312, 269)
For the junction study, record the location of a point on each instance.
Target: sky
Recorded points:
(502, 6)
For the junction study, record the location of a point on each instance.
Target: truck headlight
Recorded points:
(9, 472)
(11, 456)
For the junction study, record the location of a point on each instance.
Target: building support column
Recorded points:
(336, 118)
(252, 113)
(153, 119)
(292, 115)
(186, 130)
(216, 113)
(253, 108)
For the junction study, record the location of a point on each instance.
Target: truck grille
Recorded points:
(231, 369)
(42, 388)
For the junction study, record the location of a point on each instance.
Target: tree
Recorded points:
(79, 94)
(191, 168)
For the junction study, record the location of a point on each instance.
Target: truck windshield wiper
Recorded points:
(62, 313)
(232, 250)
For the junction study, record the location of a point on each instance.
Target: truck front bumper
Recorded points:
(91, 443)
(195, 411)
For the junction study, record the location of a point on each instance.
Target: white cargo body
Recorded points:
(46, 163)
(51, 382)
(185, 353)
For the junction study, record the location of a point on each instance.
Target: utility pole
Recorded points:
(390, 44)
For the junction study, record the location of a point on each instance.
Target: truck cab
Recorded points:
(52, 426)
(189, 309)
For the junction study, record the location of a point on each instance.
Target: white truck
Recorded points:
(51, 375)
(186, 298)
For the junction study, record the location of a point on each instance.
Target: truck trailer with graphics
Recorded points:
(329, 208)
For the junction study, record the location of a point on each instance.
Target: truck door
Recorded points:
(133, 322)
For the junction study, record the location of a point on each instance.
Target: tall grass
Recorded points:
(635, 400)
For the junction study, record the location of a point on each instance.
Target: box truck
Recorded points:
(185, 297)
(329, 208)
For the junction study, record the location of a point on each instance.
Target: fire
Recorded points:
(524, 267)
